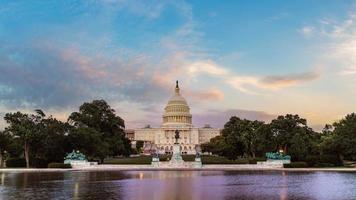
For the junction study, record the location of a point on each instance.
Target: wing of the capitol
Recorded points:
(176, 116)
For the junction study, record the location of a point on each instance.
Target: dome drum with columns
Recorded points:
(177, 111)
(176, 116)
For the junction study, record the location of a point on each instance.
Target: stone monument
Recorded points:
(276, 159)
(197, 160)
(155, 160)
(77, 159)
(177, 160)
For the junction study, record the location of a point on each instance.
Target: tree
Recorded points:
(345, 136)
(250, 137)
(240, 137)
(139, 146)
(233, 133)
(265, 141)
(284, 127)
(293, 135)
(327, 141)
(88, 141)
(55, 142)
(107, 129)
(27, 128)
(5, 141)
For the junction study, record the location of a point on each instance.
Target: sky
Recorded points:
(252, 59)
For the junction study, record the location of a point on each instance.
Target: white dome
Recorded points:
(177, 111)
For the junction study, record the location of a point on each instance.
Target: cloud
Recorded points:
(339, 44)
(212, 94)
(246, 83)
(288, 80)
(114, 57)
(218, 118)
(48, 76)
(206, 67)
(307, 31)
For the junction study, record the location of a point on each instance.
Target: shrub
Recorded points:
(59, 165)
(38, 163)
(260, 159)
(215, 160)
(324, 165)
(141, 160)
(252, 161)
(165, 157)
(241, 161)
(16, 162)
(312, 160)
(324, 160)
(331, 159)
(188, 158)
(296, 165)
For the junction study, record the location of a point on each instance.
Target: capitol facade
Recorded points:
(176, 116)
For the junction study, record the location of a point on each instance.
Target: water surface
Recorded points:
(179, 185)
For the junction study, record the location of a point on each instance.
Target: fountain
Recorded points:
(176, 160)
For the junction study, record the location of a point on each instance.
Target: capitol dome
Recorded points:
(177, 111)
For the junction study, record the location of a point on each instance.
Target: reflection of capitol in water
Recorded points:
(176, 116)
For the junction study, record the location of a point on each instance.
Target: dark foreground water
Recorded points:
(184, 185)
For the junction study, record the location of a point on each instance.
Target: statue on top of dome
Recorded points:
(177, 88)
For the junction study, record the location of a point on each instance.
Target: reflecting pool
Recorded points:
(180, 185)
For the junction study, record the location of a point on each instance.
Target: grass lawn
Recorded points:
(206, 159)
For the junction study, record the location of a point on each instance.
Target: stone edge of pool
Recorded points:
(204, 168)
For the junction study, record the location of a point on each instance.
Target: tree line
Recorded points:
(94, 130)
(291, 134)
(98, 132)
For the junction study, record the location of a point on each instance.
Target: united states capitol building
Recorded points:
(176, 116)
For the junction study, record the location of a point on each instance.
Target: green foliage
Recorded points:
(312, 160)
(38, 163)
(5, 145)
(5, 141)
(323, 160)
(28, 128)
(324, 165)
(16, 162)
(55, 143)
(140, 160)
(221, 160)
(146, 160)
(252, 161)
(99, 131)
(248, 139)
(241, 138)
(59, 165)
(296, 165)
(294, 136)
(139, 145)
(95, 130)
(344, 137)
(89, 142)
(238, 138)
(331, 159)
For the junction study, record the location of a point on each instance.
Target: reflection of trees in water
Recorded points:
(177, 185)
(98, 185)
(62, 185)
